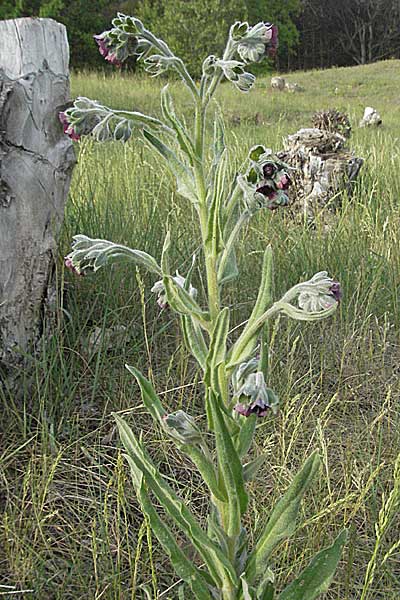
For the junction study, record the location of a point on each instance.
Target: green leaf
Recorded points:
(316, 578)
(194, 340)
(266, 587)
(185, 141)
(251, 468)
(229, 269)
(230, 468)
(246, 343)
(183, 303)
(256, 151)
(149, 396)
(217, 353)
(206, 470)
(155, 408)
(282, 521)
(219, 137)
(247, 592)
(185, 181)
(220, 568)
(245, 438)
(214, 226)
(184, 568)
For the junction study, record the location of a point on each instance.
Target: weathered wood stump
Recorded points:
(324, 168)
(36, 161)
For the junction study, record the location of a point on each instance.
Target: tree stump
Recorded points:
(323, 168)
(36, 162)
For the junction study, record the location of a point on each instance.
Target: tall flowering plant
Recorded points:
(235, 377)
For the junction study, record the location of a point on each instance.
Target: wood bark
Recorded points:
(36, 161)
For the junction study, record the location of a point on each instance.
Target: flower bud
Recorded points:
(158, 288)
(182, 427)
(235, 73)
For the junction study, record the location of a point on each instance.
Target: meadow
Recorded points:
(70, 526)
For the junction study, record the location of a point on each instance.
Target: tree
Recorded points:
(190, 27)
(367, 28)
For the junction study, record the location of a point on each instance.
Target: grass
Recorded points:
(70, 527)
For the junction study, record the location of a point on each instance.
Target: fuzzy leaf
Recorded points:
(183, 303)
(194, 340)
(183, 137)
(282, 521)
(218, 565)
(316, 578)
(184, 568)
(214, 226)
(185, 182)
(231, 469)
(246, 343)
(246, 435)
(251, 468)
(149, 396)
(217, 352)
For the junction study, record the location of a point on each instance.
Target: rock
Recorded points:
(105, 338)
(371, 118)
(293, 87)
(278, 83)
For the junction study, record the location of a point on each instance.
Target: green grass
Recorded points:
(70, 526)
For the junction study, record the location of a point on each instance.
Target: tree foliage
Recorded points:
(190, 27)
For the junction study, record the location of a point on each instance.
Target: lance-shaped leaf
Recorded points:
(184, 568)
(247, 592)
(266, 587)
(157, 411)
(149, 396)
(282, 521)
(230, 468)
(184, 177)
(194, 340)
(217, 353)
(251, 468)
(220, 568)
(184, 139)
(214, 237)
(316, 578)
(246, 434)
(246, 343)
(183, 303)
(218, 146)
(90, 254)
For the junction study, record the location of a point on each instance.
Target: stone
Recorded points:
(371, 118)
(278, 83)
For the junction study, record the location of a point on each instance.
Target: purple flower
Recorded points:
(269, 169)
(69, 265)
(336, 291)
(284, 182)
(259, 408)
(104, 43)
(68, 128)
(258, 398)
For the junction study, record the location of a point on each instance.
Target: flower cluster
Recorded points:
(253, 43)
(82, 118)
(122, 40)
(320, 293)
(266, 182)
(249, 386)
